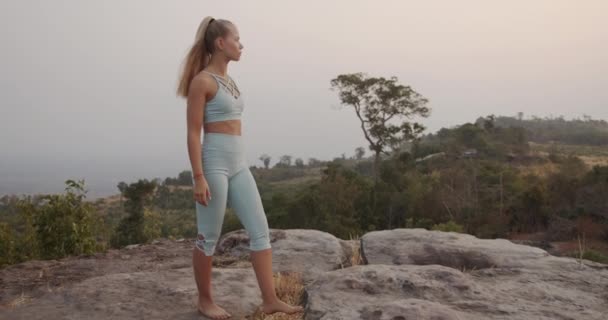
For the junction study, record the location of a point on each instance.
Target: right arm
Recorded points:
(196, 101)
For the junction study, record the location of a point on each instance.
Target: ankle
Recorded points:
(270, 300)
(205, 298)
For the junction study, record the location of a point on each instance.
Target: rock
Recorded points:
(309, 252)
(452, 249)
(132, 246)
(411, 274)
(389, 292)
(543, 244)
(143, 295)
(426, 292)
(348, 250)
(422, 274)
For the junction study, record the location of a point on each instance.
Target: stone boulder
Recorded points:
(422, 274)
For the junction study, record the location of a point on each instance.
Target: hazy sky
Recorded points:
(87, 88)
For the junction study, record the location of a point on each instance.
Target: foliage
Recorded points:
(50, 226)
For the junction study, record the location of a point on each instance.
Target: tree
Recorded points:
(359, 153)
(299, 163)
(60, 225)
(184, 178)
(335, 204)
(376, 101)
(131, 228)
(122, 187)
(314, 162)
(285, 161)
(265, 159)
(489, 121)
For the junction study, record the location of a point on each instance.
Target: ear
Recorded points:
(220, 43)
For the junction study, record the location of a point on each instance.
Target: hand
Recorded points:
(202, 194)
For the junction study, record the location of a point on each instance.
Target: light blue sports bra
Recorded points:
(227, 104)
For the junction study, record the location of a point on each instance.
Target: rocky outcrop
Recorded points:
(409, 274)
(421, 274)
(451, 249)
(310, 252)
(165, 294)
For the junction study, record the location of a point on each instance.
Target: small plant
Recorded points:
(356, 258)
(596, 256)
(581, 247)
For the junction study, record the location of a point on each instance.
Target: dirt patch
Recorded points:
(36, 277)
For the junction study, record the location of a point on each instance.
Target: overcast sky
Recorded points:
(87, 88)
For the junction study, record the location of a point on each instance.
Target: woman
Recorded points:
(220, 172)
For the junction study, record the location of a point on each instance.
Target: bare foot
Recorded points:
(212, 311)
(280, 306)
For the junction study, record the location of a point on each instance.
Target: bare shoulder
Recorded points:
(203, 83)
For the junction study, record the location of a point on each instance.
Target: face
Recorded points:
(230, 44)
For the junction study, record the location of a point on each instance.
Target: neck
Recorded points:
(218, 65)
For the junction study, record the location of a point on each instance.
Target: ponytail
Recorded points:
(200, 52)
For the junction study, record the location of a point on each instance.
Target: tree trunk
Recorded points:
(376, 170)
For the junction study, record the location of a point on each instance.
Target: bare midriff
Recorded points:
(227, 126)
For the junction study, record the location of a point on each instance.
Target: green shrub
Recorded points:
(448, 226)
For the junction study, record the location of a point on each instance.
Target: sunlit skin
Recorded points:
(204, 88)
(229, 49)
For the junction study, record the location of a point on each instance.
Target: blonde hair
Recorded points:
(200, 53)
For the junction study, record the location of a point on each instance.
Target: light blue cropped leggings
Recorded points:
(230, 184)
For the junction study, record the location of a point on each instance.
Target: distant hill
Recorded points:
(585, 131)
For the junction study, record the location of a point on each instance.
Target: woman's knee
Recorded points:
(259, 241)
(206, 244)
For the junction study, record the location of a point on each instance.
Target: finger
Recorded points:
(198, 198)
(202, 200)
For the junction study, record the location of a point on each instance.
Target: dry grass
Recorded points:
(594, 160)
(356, 259)
(22, 299)
(582, 246)
(540, 170)
(296, 181)
(591, 155)
(289, 288)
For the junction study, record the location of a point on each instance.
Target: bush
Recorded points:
(596, 256)
(560, 229)
(592, 255)
(132, 228)
(448, 226)
(50, 227)
(152, 225)
(7, 245)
